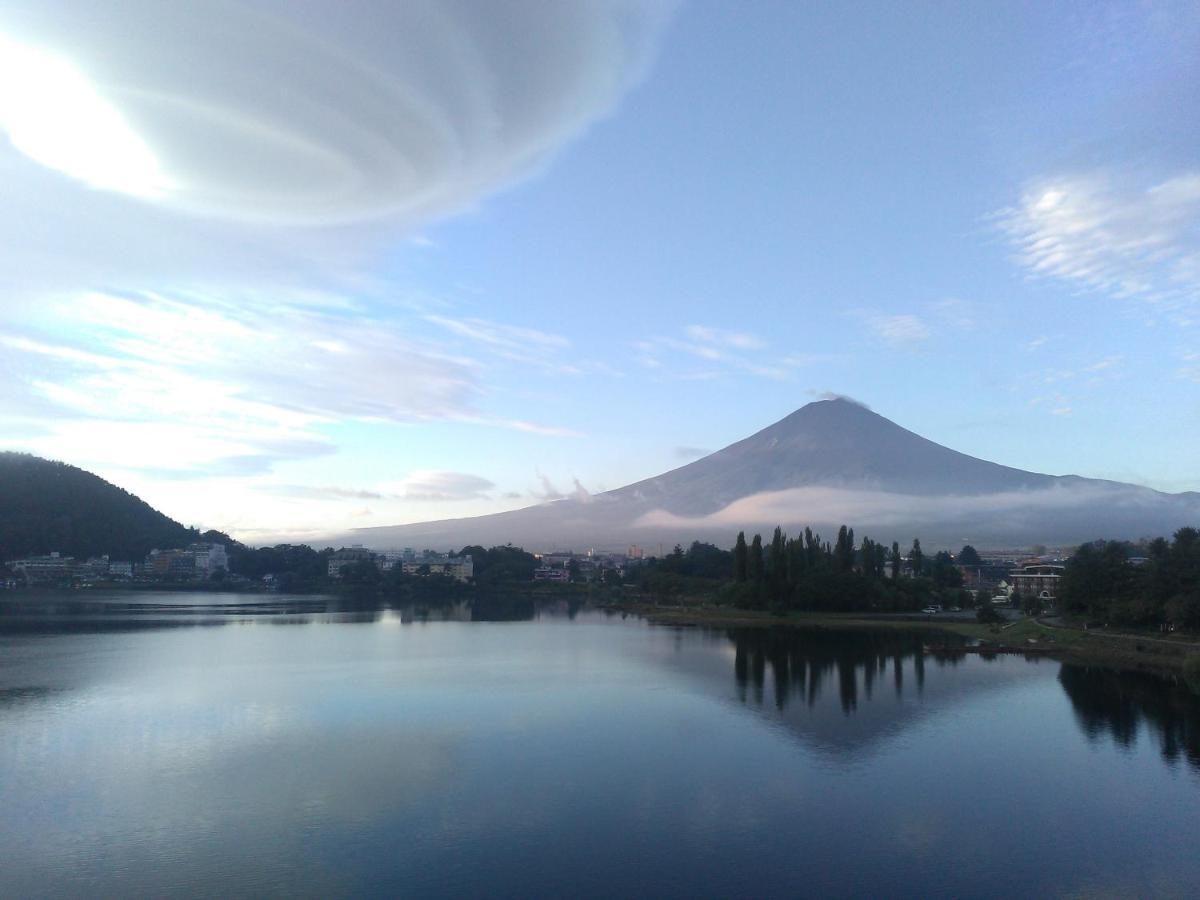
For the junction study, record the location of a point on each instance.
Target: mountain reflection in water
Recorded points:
(162, 743)
(802, 660)
(780, 668)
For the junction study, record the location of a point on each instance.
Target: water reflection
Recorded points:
(1119, 705)
(371, 753)
(875, 678)
(802, 660)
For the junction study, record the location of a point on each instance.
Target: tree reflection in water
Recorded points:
(1120, 704)
(799, 663)
(802, 660)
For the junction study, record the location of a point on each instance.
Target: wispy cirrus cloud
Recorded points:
(320, 492)
(903, 330)
(229, 381)
(1105, 232)
(517, 344)
(718, 337)
(440, 486)
(719, 351)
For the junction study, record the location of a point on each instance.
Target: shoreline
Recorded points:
(1126, 652)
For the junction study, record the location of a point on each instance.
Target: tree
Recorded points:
(740, 555)
(777, 565)
(843, 550)
(987, 614)
(945, 573)
(364, 572)
(895, 559)
(880, 560)
(754, 565)
(968, 556)
(916, 558)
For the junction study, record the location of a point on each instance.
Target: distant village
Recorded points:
(996, 575)
(196, 562)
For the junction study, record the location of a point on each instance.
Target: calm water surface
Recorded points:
(227, 745)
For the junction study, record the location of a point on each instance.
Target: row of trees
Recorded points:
(1161, 588)
(300, 568)
(805, 572)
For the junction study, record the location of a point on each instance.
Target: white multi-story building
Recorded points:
(42, 569)
(209, 558)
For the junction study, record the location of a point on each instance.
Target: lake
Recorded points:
(226, 745)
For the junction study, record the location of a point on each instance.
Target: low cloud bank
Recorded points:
(823, 505)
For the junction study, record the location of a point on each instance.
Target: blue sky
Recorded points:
(283, 270)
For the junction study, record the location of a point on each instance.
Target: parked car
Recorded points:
(930, 610)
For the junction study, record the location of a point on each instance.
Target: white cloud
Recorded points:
(548, 491)
(298, 112)
(903, 330)
(1035, 343)
(526, 346)
(1190, 370)
(719, 337)
(833, 395)
(1109, 362)
(721, 351)
(823, 505)
(440, 486)
(206, 384)
(1101, 232)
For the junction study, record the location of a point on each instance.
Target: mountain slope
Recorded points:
(828, 463)
(834, 443)
(47, 506)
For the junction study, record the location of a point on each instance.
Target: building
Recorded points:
(173, 565)
(460, 568)
(1041, 580)
(348, 556)
(44, 569)
(209, 558)
(545, 573)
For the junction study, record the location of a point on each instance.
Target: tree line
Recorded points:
(806, 573)
(1147, 584)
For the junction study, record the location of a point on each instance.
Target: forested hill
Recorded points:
(47, 506)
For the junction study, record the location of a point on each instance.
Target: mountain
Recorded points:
(828, 463)
(47, 506)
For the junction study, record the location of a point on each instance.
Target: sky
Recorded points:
(290, 268)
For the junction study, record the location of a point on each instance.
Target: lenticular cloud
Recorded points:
(323, 113)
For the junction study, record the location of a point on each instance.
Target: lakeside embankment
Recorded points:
(1133, 652)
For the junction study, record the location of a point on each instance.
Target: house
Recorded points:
(1041, 580)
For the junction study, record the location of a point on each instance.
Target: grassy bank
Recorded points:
(1128, 652)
